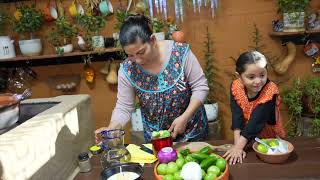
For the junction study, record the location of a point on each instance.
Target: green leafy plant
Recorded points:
(157, 25)
(312, 92)
(288, 6)
(91, 24)
(62, 35)
(121, 15)
(294, 98)
(30, 21)
(210, 70)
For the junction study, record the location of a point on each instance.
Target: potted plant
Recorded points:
(6, 44)
(121, 15)
(171, 26)
(61, 37)
(210, 70)
(303, 103)
(28, 20)
(93, 26)
(157, 28)
(293, 14)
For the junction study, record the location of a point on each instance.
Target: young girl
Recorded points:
(254, 103)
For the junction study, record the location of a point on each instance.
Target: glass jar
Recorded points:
(84, 162)
(114, 151)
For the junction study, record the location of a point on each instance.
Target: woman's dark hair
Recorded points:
(135, 27)
(250, 57)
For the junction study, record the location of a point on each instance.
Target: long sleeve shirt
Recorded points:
(126, 93)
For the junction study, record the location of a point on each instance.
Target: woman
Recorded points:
(168, 81)
(254, 105)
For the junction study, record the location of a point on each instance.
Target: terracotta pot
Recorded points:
(178, 36)
(274, 158)
(223, 176)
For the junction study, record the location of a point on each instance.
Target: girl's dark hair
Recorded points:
(135, 27)
(250, 57)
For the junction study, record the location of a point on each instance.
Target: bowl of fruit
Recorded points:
(273, 151)
(183, 164)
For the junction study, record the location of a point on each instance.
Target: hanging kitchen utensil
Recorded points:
(60, 8)
(73, 9)
(105, 69)
(150, 8)
(156, 2)
(89, 72)
(50, 12)
(165, 12)
(112, 77)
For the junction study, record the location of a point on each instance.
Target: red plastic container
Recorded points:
(160, 143)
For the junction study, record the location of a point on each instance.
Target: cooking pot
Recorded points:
(9, 110)
(6, 48)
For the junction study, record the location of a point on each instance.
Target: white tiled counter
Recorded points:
(46, 146)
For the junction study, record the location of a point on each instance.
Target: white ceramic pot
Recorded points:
(212, 111)
(66, 48)
(136, 121)
(6, 48)
(32, 47)
(293, 22)
(97, 42)
(159, 36)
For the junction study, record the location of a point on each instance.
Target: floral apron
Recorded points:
(165, 96)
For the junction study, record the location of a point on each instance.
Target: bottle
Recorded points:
(84, 162)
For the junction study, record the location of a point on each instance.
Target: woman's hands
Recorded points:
(97, 134)
(178, 126)
(112, 125)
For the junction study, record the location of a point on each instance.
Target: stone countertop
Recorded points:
(47, 145)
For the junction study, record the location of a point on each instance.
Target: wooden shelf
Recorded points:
(54, 59)
(298, 38)
(50, 56)
(279, 34)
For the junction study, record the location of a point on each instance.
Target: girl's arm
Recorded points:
(236, 135)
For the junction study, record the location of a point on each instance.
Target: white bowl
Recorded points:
(32, 47)
(66, 48)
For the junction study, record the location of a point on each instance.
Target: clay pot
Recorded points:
(178, 36)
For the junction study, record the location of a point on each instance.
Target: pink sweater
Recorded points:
(126, 94)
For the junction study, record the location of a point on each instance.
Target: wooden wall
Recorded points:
(232, 29)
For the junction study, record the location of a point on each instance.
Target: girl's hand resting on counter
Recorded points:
(235, 155)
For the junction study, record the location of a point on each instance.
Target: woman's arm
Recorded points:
(124, 106)
(199, 87)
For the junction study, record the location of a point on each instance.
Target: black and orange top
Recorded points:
(258, 116)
